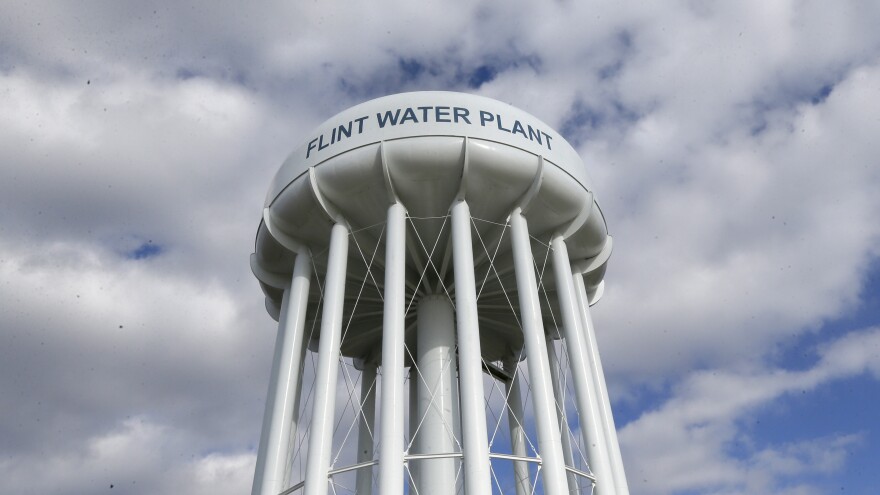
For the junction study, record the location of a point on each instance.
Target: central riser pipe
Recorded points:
(437, 396)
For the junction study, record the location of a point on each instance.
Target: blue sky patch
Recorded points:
(837, 409)
(185, 73)
(411, 68)
(482, 75)
(144, 251)
(584, 118)
(822, 94)
(802, 353)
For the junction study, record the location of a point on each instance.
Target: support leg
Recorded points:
(391, 451)
(581, 372)
(364, 481)
(598, 375)
(279, 423)
(323, 412)
(549, 443)
(516, 422)
(559, 392)
(473, 416)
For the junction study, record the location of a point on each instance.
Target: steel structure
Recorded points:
(431, 259)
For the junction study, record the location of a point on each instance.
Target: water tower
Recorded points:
(431, 259)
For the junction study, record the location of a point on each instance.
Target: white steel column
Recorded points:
(391, 448)
(475, 441)
(413, 466)
(584, 385)
(437, 394)
(549, 444)
(279, 421)
(598, 375)
(515, 423)
(364, 480)
(573, 482)
(297, 400)
(324, 408)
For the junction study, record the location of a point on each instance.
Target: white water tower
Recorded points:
(431, 259)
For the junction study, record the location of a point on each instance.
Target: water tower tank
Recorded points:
(431, 259)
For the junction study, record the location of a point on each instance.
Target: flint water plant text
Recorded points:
(439, 114)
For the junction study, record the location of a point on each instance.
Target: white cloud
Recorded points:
(685, 444)
(126, 459)
(756, 239)
(218, 473)
(90, 338)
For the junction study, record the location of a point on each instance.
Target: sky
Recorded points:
(731, 148)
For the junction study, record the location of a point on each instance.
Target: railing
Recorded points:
(450, 455)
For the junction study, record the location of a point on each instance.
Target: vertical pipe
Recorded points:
(323, 412)
(262, 472)
(364, 481)
(573, 482)
(473, 415)
(515, 423)
(279, 421)
(437, 394)
(414, 419)
(294, 433)
(549, 444)
(393, 372)
(584, 385)
(598, 375)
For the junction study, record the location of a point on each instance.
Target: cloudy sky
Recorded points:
(734, 150)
